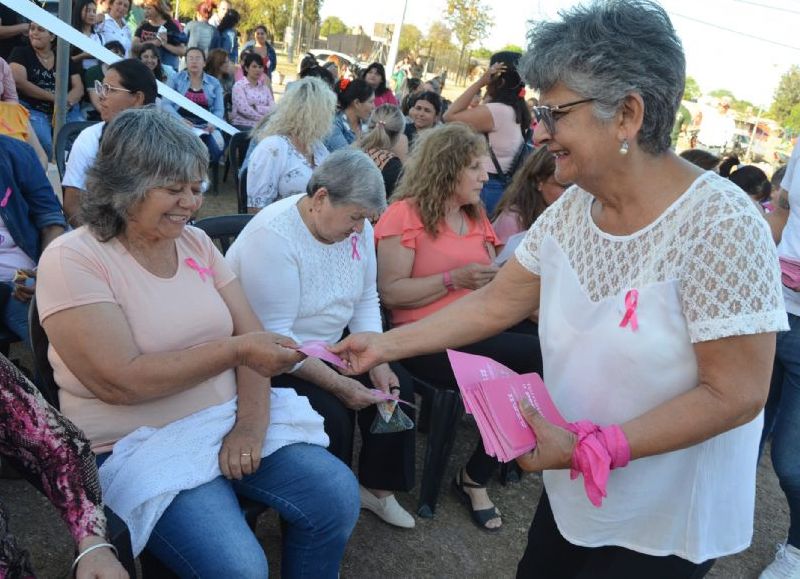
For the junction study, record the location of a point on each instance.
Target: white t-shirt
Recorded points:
(82, 156)
(109, 30)
(790, 240)
(276, 170)
(704, 270)
(300, 287)
(12, 257)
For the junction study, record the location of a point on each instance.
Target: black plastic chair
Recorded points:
(64, 140)
(241, 193)
(237, 150)
(223, 229)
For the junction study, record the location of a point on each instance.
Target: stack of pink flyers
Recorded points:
(491, 393)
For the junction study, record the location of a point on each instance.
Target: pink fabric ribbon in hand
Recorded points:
(600, 449)
(393, 397)
(354, 245)
(203, 271)
(631, 303)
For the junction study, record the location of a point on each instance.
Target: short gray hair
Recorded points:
(350, 176)
(139, 150)
(608, 50)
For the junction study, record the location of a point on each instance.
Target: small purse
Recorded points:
(390, 418)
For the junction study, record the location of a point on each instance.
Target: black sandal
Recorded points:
(479, 517)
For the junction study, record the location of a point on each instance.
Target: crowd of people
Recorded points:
(562, 236)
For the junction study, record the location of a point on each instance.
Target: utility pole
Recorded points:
(62, 69)
(291, 40)
(398, 27)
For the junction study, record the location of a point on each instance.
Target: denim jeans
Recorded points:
(491, 193)
(43, 125)
(15, 316)
(203, 532)
(782, 421)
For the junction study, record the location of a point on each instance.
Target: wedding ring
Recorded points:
(245, 454)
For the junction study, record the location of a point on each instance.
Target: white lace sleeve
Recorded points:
(527, 252)
(730, 283)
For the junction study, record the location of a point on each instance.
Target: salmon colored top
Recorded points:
(446, 252)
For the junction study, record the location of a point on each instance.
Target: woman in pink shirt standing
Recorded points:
(435, 245)
(252, 97)
(375, 77)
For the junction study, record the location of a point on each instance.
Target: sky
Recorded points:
(740, 45)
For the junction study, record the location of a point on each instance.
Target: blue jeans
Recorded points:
(15, 316)
(203, 532)
(491, 193)
(782, 421)
(43, 125)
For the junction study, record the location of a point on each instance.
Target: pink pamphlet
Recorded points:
(491, 393)
(319, 349)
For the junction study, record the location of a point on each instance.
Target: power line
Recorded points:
(769, 6)
(739, 32)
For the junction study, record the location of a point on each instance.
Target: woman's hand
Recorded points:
(384, 379)
(554, 445)
(354, 394)
(240, 454)
(496, 69)
(473, 276)
(24, 285)
(100, 563)
(362, 351)
(267, 353)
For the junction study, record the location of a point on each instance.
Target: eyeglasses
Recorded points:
(550, 115)
(103, 89)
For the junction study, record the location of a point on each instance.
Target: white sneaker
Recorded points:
(387, 509)
(786, 564)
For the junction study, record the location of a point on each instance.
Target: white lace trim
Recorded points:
(711, 240)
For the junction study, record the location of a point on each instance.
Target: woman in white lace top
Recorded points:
(288, 143)
(659, 297)
(307, 264)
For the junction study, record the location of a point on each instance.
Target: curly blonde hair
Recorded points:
(431, 172)
(305, 112)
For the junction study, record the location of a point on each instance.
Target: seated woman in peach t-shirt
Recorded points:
(435, 245)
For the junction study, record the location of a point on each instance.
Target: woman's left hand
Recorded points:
(554, 445)
(240, 454)
(101, 563)
(384, 379)
(494, 70)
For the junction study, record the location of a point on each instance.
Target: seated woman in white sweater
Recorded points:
(307, 264)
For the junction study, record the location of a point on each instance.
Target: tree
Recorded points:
(410, 40)
(692, 91)
(439, 39)
(511, 48)
(722, 92)
(470, 21)
(331, 26)
(482, 53)
(784, 107)
(276, 15)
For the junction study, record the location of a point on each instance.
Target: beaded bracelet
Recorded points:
(89, 550)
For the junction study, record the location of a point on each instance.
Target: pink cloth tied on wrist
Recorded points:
(599, 450)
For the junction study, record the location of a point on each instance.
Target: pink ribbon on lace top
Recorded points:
(203, 271)
(631, 303)
(354, 245)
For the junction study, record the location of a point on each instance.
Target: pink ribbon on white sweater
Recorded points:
(354, 245)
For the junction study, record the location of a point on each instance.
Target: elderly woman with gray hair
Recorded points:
(162, 363)
(659, 296)
(307, 264)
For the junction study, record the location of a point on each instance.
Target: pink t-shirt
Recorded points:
(445, 252)
(505, 139)
(164, 315)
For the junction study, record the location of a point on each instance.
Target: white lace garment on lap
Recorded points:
(704, 270)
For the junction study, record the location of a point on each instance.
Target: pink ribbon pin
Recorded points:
(631, 303)
(354, 245)
(4, 201)
(203, 271)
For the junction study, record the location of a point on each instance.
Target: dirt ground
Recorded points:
(443, 547)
